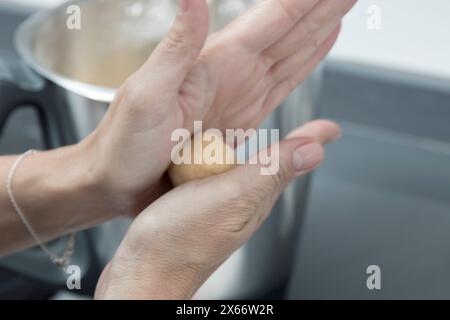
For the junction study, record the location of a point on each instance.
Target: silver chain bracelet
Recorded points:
(60, 261)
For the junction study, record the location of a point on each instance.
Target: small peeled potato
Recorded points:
(183, 173)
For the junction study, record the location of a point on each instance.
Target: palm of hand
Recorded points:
(235, 80)
(235, 86)
(246, 70)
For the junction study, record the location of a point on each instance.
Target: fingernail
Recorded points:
(307, 157)
(183, 6)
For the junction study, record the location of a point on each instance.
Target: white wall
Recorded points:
(414, 36)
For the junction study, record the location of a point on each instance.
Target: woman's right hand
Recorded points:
(182, 238)
(234, 81)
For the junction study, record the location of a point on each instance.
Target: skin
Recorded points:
(174, 246)
(232, 79)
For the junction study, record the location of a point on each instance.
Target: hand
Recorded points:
(235, 80)
(181, 239)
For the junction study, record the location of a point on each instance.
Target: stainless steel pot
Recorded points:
(83, 67)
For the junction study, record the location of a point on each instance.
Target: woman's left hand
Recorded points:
(234, 80)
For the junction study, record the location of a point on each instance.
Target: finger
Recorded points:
(267, 22)
(321, 131)
(311, 31)
(306, 142)
(286, 86)
(286, 67)
(300, 153)
(172, 59)
(258, 190)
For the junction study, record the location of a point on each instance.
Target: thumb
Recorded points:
(251, 191)
(279, 165)
(300, 153)
(178, 51)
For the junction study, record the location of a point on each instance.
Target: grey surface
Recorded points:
(382, 196)
(407, 103)
(21, 133)
(378, 200)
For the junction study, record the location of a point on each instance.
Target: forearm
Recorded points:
(58, 192)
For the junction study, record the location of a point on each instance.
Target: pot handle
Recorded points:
(19, 87)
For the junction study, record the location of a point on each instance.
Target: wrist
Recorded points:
(115, 195)
(129, 188)
(146, 267)
(144, 280)
(59, 193)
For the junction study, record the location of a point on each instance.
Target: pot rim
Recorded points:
(23, 41)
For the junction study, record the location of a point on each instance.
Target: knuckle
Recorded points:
(175, 42)
(284, 173)
(236, 219)
(240, 205)
(275, 180)
(292, 10)
(267, 62)
(280, 178)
